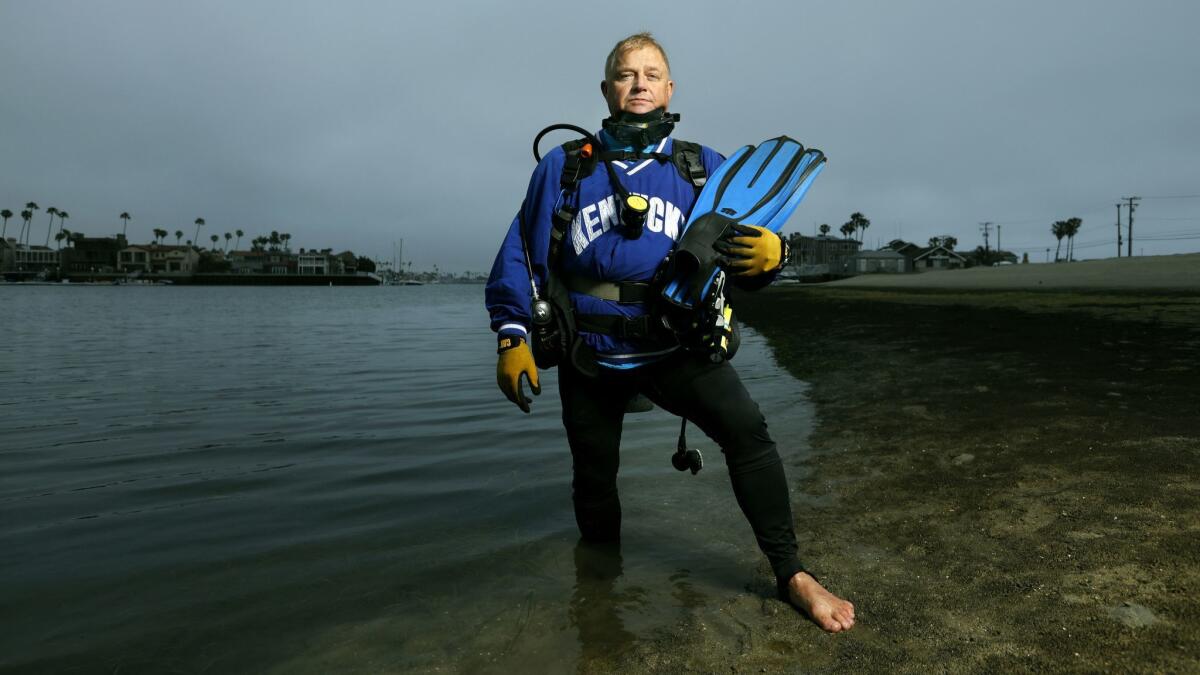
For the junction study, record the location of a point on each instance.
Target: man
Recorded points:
(606, 262)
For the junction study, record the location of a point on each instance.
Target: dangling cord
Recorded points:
(685, 459)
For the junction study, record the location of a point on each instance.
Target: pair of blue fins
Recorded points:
(758, 185)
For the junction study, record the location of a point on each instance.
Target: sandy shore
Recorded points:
(1168, 272)
(1002, 481)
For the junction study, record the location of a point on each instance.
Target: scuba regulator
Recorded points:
(634, 207)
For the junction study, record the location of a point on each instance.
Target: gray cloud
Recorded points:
(358, 125)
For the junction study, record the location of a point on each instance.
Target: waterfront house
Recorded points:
(27, 260)
(133, 259)
(927, 258)
(280, 262)
(8, 251)
(312, 262)
(938, 258)
(93, 254)
(344, 263)
(246, 262)
(823, 256)
(885, 261)
(174, 259)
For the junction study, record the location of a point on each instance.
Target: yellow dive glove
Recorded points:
(749, 250)
(516, 361)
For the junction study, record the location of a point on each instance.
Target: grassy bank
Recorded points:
(1002, 481)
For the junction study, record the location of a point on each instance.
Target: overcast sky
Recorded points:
(359, 124)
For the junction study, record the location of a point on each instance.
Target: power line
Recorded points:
(1129, 240)
(1175, 197)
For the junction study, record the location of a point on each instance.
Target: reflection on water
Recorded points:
(596, 604)
(301, 480)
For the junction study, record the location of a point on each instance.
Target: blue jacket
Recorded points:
(594, 246)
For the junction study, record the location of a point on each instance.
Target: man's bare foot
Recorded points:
(825, 609)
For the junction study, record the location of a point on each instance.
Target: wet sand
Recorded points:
(1003, 480)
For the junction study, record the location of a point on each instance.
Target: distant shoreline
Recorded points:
(1165, 272)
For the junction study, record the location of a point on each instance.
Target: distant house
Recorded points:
(133, 259)
(166, 259)
(8, 249)
(884, 261)
(247, 262)
(823, 255)
(312, 262)
(20, 258)
(158, 258)
(344, 263)
(279, 262)
(93, 254)
(927, 258)
(262, 262)
(938, 258)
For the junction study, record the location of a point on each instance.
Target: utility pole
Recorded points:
(998, 249)
(986, 227)
(1129, 240)
(1118, 229)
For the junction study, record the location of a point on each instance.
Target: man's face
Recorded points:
(639, 83)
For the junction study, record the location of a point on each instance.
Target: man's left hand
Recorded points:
(749, 250)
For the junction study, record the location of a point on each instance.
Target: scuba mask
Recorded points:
(639, 130)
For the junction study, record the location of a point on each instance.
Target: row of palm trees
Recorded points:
(1066, 228)
(27, 225)
(275, 240)
(857, 223)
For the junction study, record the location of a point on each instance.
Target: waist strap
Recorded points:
(636, 328)
(620, 291)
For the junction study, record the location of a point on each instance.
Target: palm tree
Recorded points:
(178, 236)
(125, 217)
(27, 230)
(286, 239)
(227, 238)
(214, 241)
(50, 226)
(239, 234)
(1059, 230)
(275, 240)
(824, 229)
(1073, 225)
(860, 223)
(58, 237)
(199, 223)
(62, 215)
(6, 214)
(846, 229)
(26, 216)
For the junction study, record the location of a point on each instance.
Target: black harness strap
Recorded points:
(686, 158)
(636, 328)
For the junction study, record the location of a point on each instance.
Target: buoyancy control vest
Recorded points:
(556, 326)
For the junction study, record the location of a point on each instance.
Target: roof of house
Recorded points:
(886, 254)
(933, 249)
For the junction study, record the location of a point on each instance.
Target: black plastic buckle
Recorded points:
(636, 327)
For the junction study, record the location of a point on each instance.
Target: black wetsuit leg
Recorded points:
(712, 396)
(593, 409)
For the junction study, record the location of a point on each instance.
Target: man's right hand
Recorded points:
(516, 361)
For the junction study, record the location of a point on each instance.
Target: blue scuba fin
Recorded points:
(759, 186)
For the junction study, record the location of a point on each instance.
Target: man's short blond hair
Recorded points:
(635, 41)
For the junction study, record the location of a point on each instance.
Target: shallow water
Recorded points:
(308, 479)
